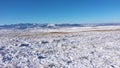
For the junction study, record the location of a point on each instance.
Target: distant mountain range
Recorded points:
(52, 26)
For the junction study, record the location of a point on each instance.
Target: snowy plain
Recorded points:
(76, 47)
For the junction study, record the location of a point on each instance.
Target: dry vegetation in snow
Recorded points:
(84, 47)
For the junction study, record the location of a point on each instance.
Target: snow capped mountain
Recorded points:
(52, 26)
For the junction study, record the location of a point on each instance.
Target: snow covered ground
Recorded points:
(77, 47)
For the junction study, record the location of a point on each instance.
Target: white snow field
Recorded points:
(77, 47)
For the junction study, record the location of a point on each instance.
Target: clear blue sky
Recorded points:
(59, 11)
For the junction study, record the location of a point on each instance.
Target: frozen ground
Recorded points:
(77, 47)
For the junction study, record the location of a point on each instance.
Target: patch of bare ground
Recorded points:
(34, 35)
(42, 34)
(101, 30)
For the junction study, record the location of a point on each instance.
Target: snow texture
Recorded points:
(77, 47)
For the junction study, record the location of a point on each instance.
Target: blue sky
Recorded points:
(59, 11)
